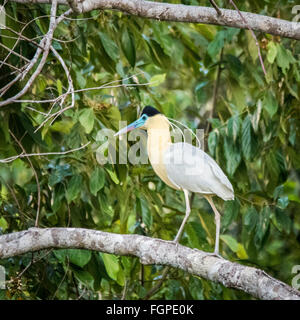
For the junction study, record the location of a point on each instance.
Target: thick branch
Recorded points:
(150, 251)
(184, 13)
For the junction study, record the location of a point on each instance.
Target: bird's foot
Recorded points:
(214, 254)
(176, 243)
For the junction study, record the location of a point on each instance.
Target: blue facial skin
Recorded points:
(134, 125)
(139, 122)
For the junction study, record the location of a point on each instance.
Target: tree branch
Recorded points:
(27, 155)
(36, 179)
(45, 44)
(150, 251)
(185, 13)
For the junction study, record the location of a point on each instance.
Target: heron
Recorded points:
(182, 166)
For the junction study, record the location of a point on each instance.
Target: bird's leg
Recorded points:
(187, 213)
(218, 223)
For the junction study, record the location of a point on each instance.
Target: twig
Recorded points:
(63, 278)
(157, 286)
(36, 179)
(14, 52)
(104, 86)
(11, 66)
(69, 78)
(215, 91)
(216, 7)
(33, 261)
(125, 290)
(22, 155)
(253, 35)
(45, 44)
(20, 35)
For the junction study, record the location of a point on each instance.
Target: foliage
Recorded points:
(254, 136)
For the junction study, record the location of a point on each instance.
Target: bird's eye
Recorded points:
(144, 117)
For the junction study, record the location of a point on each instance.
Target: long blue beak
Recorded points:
(134, 125)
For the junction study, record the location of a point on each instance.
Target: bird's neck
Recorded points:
(159, 139)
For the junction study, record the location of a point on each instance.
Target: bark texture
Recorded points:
(185, 13)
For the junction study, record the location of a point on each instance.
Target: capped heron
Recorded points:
(182, 166)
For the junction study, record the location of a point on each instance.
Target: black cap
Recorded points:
(150, 111)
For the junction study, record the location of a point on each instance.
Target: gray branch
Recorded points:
(185, 13)
(151, 251)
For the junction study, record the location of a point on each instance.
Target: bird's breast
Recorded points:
(157, 145)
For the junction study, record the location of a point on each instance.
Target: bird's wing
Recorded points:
(192, 169)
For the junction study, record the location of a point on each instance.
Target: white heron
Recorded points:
(182, 166)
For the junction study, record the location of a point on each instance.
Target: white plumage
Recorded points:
(192, 169)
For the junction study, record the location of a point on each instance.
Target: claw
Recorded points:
(176, 242)
(215, 254)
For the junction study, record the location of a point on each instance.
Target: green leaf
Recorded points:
(232, 155)
(272, 166)
(157, 80)
(235, 65)
(270, 103)
(21, 173)
(146, 213)
(282, 221)
(85, 277)
(283, 202)
(127, 264)
(58, 173)
(79, 257)
(201, 93)
(248, 141)
(97, 180)
(284, 58)
(250, 219)
(162, 35)
(231, 210)
(196, 235)
(59, 86)
(212, 142)
(217, 44)
(233, 127)
(230, 241)
(3, 224)
(61, 255)
(215, 123)
(81, 80)
(111, 263)
(128, 46)
(196, 288)
(74, 187)
(256, 116)
(262, 226)
(113, 176)
(87, 118)
(157, 54)
(63, 126)
(278, 191)
(241, 252)
(272, 52)
(109, 46)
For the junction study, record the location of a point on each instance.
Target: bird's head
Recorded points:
(142, 122)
